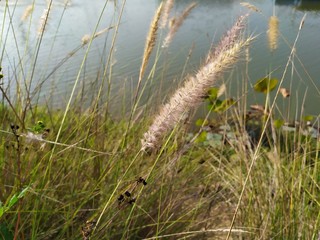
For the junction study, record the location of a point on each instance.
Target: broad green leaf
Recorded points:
(201, 122)
(265, 85)
(278, 123)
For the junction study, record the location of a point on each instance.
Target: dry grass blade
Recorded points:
(190, 95)
(175, 25)
(273, 33)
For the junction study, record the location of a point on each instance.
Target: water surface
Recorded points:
(60, 54)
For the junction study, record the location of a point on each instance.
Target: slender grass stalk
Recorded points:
(149, 46)
(257, 151)
(42, 26)
(73, 91)
(108, 65)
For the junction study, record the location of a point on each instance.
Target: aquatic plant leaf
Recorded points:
(278, 123)
(202, 137)
(201, 122)
(265, 85)
(213, 94)
(213, 105)
(39, 127)
(308, 118)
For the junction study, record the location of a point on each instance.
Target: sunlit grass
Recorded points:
(82, 173)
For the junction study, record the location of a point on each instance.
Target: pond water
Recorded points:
(56, 59)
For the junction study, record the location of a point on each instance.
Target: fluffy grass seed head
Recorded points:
(250, 7)
(229, 38)
(175, 25)
(166, 12)
(43, 21)
(151, 40)
(273, 33)
(27, 12)
(85, 39)
(190, 95)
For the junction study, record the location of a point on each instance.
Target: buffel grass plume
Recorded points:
(166, 11)
(273, 33)
(175, 25)
(87, 37)
(27, 12)
(250, 6)
(43, 21)
(151, 41)
(191, 94)
(228, 40)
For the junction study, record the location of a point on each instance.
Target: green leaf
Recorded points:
(13, 201)
(265, 85)
(5, 233)
(201, 122)
(23, 192)
(1, 211)
(308, 118)
(278, 123)
(202, 137)
(39, 127)
(213, 94)
(213, 105)
(1, 76)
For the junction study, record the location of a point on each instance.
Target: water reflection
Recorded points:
(302, 5)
